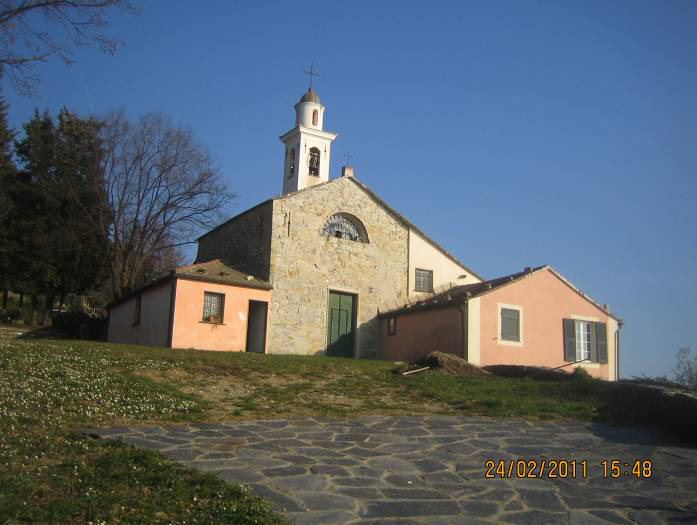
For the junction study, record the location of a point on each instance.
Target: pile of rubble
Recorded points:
(448, 363)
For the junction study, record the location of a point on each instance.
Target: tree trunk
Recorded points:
(21, 300)
(34, 307)
(47, 310)
(4, 299)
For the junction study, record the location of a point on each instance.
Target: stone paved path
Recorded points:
(430, 470)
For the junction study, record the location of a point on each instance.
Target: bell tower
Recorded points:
(307, 145)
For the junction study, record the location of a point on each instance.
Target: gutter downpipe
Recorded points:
(464, 309)
(617, 350)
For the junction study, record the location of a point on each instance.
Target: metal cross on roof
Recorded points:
(348, 157)
(311, 73)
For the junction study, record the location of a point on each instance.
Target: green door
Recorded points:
(342, 321)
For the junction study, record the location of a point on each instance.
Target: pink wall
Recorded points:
(153, 329)
(191, 332)
(422, 332)
(545, 301)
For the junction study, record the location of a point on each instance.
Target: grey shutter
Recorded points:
(594, 343)
(569, 339)
(510, 324)
(601, 334)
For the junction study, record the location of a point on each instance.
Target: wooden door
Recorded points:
(342, 323)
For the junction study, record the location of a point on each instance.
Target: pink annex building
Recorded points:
(329, 268)
(535, 317)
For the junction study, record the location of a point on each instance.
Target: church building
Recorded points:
(329, 268)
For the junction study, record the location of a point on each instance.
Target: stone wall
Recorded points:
(305, 265)
(243, 242)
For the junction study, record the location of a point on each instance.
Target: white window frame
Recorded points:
(585, 364)
(582, 330)
(521, 324)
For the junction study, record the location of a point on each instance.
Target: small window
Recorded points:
(510, 324)
(423, 281)
(315, 117)
(291, 162)
(136, 309)
(213, 307)
(392, 326)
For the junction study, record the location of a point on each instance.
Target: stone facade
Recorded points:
(243, 242)
(306, 265)
(281, 241)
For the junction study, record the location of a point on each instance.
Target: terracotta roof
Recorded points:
(217, 271)
(460, 294)
(310, 96)
(212, 271)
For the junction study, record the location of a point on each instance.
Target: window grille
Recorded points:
(345, 226)
(213, 307)
(423, 281)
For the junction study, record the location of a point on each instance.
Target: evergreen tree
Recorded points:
(83, 212)
(8, 172)
(60, 193)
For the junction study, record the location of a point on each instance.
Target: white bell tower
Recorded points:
(307, 146)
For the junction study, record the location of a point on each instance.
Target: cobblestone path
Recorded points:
(431, 470)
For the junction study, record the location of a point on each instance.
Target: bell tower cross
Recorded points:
(307, 145)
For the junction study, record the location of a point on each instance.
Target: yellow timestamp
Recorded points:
(533, 468)
(566, 468)
(614, 468)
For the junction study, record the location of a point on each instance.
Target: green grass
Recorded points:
(48, 389)
(51, 474)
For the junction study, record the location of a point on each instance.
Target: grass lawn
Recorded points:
(51, 474)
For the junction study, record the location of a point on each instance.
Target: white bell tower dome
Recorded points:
(307, 146)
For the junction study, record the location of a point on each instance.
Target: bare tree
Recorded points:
(24, 41)
(686, 368)
(162, 186)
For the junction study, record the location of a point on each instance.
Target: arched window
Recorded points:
(315, 117)
(313, 162)
(345, 226)
(291, 162)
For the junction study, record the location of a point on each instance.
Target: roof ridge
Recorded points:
(192, 265)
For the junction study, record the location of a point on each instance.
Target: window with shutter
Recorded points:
(569, 340)
(423, 281)
(601, 337)
(585, 340)
(510, 321)
(510, 324)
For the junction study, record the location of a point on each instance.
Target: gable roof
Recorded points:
(401, 218)
(462, 293)
(214, 271)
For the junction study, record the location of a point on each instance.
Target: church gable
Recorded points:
(309, 260)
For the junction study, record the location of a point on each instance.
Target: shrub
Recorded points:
(686, 369)
(581, 374)
(79, 325)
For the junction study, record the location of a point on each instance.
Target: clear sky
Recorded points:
(513, 133)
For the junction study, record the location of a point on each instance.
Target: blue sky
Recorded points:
(514, 133)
